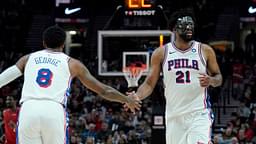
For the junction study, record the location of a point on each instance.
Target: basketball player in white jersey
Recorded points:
(188, 68)
(47, 78)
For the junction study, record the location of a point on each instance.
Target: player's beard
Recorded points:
(184, 34)
(185, 37)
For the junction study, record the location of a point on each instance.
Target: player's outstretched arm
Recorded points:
(13, 72)
(215, 78)
(82, 73)
(147, 87)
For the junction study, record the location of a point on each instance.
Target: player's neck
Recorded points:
(54, 50)
(183, 45)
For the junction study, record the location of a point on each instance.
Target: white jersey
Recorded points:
(181, 69)
(46, 77)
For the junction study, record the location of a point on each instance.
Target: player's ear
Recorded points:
(174, 28)
(62, 46)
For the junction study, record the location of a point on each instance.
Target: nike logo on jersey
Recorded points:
(171, 52)
(251, 10)
(70, 11)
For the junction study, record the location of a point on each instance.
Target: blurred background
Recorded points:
(228, 26)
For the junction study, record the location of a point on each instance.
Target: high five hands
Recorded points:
(133, 96)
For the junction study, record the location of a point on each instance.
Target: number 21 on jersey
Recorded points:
(44, 77)
(182, 77)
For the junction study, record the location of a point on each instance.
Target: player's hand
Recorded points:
(204, 80)
(134, 97)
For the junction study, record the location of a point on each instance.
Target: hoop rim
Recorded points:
(133, 67)
(134, 71)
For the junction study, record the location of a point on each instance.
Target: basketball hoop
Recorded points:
(133, 73)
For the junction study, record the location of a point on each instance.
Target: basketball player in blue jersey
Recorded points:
(47, 78)
(188, 68)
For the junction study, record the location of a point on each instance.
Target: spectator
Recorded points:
(109, 140)
(243, 111)
(104, 132)
(89, 140)
(73, 139)
(250, 39)
(249, 133)
(10, 118)
(90, 132)
(237, 77)
(241, 136)
(227, 136)
(234, 140)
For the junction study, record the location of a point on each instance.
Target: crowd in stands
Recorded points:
(241, 127)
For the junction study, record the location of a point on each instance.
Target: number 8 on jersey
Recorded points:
(44, 78)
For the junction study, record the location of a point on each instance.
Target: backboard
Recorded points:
(136, 58)
(117, 48)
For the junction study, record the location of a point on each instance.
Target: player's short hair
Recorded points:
(178, 14)
(54, 37)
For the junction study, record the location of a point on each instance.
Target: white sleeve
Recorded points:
(9, 75)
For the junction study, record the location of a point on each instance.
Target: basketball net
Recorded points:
(132, 75)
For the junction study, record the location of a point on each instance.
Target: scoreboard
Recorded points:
(138, 4)
(134, 14)
(144, 14)
(139, 8)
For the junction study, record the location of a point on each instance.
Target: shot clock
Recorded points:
(139, 8)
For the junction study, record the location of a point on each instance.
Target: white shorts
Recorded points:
(192, 128)
(42, 122)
